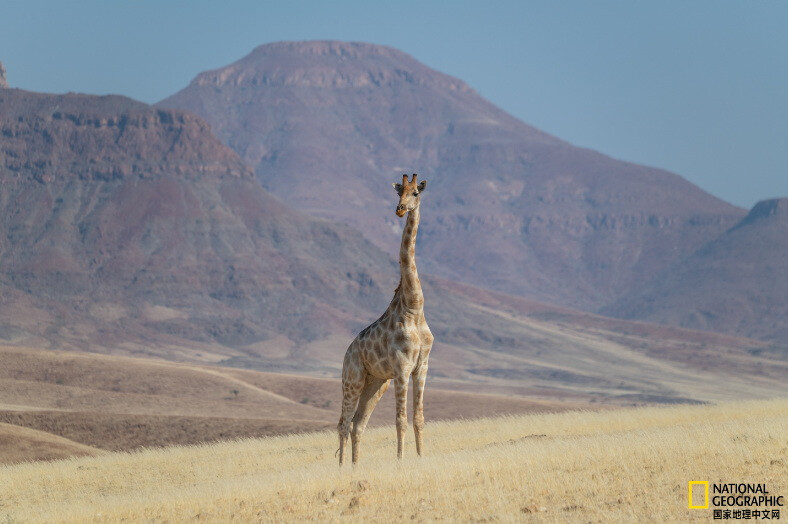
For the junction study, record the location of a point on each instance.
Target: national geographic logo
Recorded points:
(705, 485)
(735, 500)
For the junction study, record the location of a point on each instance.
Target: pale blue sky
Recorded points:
(696, 87)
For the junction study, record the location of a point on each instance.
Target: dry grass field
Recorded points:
(626, 465)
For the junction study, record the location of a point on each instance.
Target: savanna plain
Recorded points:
(624, 465)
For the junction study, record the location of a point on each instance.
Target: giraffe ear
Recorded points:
(422, 185)
(398, 188)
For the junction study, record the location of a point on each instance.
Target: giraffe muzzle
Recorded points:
(401, 211)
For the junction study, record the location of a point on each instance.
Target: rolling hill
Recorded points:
(22, 444)
(55, 404)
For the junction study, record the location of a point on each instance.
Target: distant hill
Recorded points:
(126, 225)
(737, 283)
(326, 125)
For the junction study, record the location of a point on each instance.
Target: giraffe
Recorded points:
(394, 347)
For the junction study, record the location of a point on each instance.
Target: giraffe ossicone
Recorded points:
(394, 347)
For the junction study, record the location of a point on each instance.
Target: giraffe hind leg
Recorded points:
(373, 389)
(350, 395)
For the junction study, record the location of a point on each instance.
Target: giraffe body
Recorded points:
(396, 347)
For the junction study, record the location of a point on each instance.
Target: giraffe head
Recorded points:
(408, 192)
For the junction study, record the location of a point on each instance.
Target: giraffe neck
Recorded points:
(410, 285)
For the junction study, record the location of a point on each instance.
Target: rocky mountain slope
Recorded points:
(737, 283)
(125, 223)
(327, 124)
(131, 230)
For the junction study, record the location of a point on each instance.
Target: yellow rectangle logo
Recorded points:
(705, 484)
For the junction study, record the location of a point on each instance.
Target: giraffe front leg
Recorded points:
(419, 379)
(401, 391)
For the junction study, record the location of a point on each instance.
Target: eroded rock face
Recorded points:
(3, 81)
(130, 223)
(508, 207)
(52, 138)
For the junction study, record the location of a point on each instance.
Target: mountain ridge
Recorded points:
(512, 208)
(127, 221)
(735, 283)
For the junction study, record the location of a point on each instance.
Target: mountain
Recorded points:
(736, 283)
(125, 224)
(326, 125)
(132, 230)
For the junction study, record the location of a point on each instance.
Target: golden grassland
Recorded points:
(627, 465)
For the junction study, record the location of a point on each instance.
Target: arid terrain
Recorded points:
(628, 465)
(191, 273)
(55, 404)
